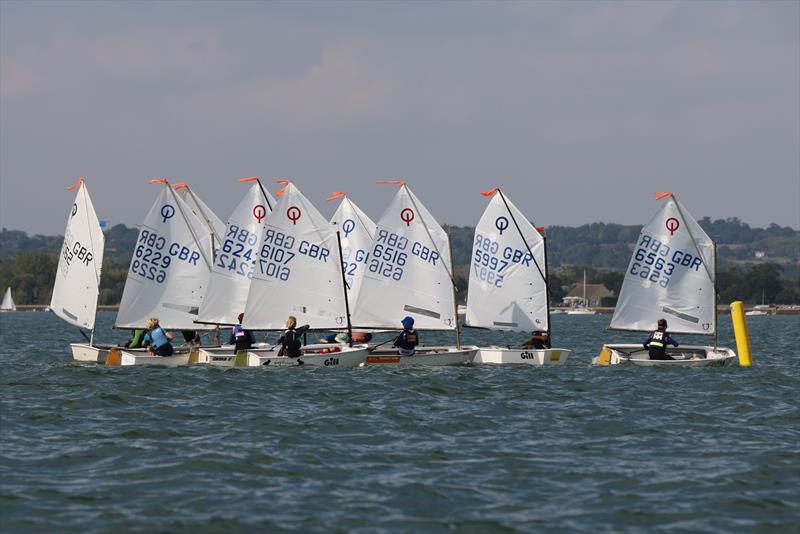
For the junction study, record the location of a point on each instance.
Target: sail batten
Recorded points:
(507, 287)
(670, 275)
(77, 283)
(408, 270)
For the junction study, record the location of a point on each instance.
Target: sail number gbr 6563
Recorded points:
(656, 261)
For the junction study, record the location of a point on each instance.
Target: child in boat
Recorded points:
(290, 339)
(135, 341)
(538, 340)
(656, 343)
(190, 338)
(157, 340)
(408, 339)
(342, 337)
(242, 339)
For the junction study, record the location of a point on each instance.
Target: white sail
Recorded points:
(507, 289)
(670, 275)
(170, 267)
(298, 271)
(236, 258)
(357, 231)
(408, 270)
(213, 223)
(8, 302)
(77, 284)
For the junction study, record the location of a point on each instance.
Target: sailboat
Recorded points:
(759, 309)
(8, 302)
(671, 275)
(508, 288)
(583, 309)
(299, 272)
(168, 275)
(77, 283)
(409, 273)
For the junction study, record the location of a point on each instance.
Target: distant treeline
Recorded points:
(751, 260)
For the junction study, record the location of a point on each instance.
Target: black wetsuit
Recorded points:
(242, 339)
(290, 341)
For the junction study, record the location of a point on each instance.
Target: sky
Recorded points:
(578, 110)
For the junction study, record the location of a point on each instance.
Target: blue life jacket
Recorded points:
(158, 337)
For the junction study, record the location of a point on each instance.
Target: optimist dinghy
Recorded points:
(409, 273)
(508, 288)
(168, 275)
(671, 275)
(77, 283)
(298, 272)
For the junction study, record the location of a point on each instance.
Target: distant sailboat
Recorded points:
(357, 231)
(203, 212)
(671, 275)
(8, 302)
(508, 283)
(77, 283)
(583, 309)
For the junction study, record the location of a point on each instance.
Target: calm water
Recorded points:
(471, 449)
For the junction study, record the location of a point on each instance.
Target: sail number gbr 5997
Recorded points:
(490, 262)
(656, 261)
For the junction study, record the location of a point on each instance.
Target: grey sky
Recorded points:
(579, 110)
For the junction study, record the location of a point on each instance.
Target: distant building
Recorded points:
(760, 254)
(594, 294)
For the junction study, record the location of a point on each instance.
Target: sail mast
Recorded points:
(344, 289)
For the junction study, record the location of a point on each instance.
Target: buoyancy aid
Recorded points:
(158, 337)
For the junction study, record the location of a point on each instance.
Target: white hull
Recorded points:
(339, 356)
(522, 356)
(117, 357)
(756, 313)
(580, 311)
(81, 352)
(424, 356)
(685, 356)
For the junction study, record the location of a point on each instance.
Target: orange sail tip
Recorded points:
(390, 182)
(158, 181)
(249, 179)
(490, 192)
(661, 194)
(181, 185)
(282, 182)
(540, 229)
(76, 184)
(282, 191)
(335, 195)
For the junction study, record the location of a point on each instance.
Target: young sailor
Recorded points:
(157, 340)
(135, 341)
(538, 340)
(241, 338)
(657, 342)
(408, 339)
(290, 339)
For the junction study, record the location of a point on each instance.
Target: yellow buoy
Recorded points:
(740, 331)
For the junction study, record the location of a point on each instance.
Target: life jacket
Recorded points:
(291, 345)
(242, 338)
(408, 339)
(158, 337)
(657, 346)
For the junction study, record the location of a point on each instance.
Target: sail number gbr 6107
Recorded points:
(656, 261)
(278, 249)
